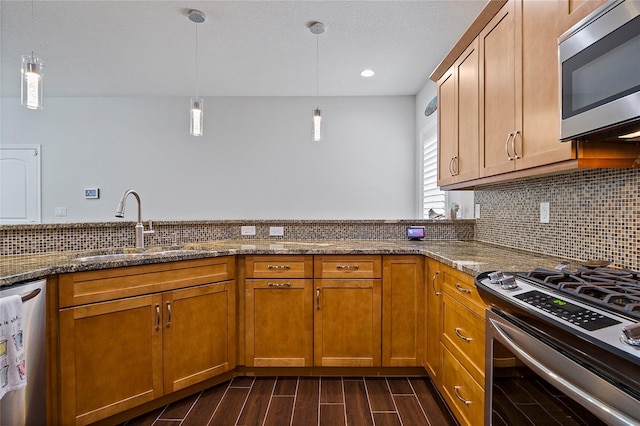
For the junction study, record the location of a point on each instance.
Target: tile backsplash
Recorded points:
(595, 214)
(29, 239)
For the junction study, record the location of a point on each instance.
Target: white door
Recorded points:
(20, 184)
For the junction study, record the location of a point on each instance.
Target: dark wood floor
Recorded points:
(307, 401)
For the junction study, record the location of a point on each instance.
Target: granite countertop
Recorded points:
(470, 257)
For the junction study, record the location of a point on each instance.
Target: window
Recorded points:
(432, 196)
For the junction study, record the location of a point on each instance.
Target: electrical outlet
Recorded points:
(477, 211)
(247, 230)
(276, 231)
(544, 213)
(60, 211)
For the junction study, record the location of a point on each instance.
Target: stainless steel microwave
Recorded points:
(600, 73)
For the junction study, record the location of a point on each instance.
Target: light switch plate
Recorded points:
(544, 213)
(60, 211)
(276, 231)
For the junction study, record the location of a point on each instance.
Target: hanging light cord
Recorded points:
(317, 66)
(32, 36)
(196, 59)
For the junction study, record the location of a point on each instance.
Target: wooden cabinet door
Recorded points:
(499, 106)
(539, 141)
(199, 334)
(279, 323)
(468, 114)
(570, 12)
(458, 127)
(447, 128)
(402, 311)
(110, 357)
(433, 290)
(347, 323)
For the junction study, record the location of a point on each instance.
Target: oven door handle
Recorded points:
(538, 356)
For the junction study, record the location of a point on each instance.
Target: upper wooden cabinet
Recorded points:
(518, 92)
(458, 132)
(519, 114)
(570, 12)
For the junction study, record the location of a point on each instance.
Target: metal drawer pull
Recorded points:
(451, 171)
(279, 267)
(462, 289)
(279, 284)
(169, 311)
(433, 283)
(348, 267)
(462, 336)
(465, 401)
(318, 298)
(157, 316)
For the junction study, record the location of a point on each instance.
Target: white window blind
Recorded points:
(432, 196)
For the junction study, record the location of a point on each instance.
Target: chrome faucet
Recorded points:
(140, 232)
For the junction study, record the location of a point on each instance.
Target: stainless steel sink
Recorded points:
(113, 256)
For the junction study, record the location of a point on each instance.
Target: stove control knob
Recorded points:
(632, 334)
(495, 277)
(508, 282)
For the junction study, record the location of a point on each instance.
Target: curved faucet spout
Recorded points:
(121, 204)
(139, 226)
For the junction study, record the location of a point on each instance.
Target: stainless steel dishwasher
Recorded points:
(28, 406)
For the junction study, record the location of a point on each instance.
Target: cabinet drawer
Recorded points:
(279, 266)
(463, 395)
(107, 284)
(463, 334)
(355, 266)
(464, 291)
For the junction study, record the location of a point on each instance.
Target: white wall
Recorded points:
(463, 198)
(256, 160)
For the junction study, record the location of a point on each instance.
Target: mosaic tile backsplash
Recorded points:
(595, 215)
(30, 239)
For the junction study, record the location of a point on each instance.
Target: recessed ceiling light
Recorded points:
(367, 73)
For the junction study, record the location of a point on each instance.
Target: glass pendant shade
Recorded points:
(317, 125)
(197, 116)
(31, 89)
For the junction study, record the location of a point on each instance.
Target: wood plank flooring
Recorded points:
(305, 401)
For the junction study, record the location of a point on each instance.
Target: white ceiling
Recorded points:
(246, 48)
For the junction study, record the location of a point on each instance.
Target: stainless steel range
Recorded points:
(563, 347)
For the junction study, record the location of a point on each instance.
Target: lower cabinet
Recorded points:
(347, 323)
(279, 323)
(118, 354)
(402, 310)
(456, 341)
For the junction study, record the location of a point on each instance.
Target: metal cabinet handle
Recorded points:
(462, 336)
(157, 316)
(348, 267)
(506, 146)
(451, 171)
(169, 316)
(456, 167)
(513, 144)
(318, 298)
(433, 283)
(279, 284)
(465, 401)
(462, 289)
(278, 267)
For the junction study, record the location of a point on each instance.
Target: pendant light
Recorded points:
(196, 109)
(32, 71)
(317, 28)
